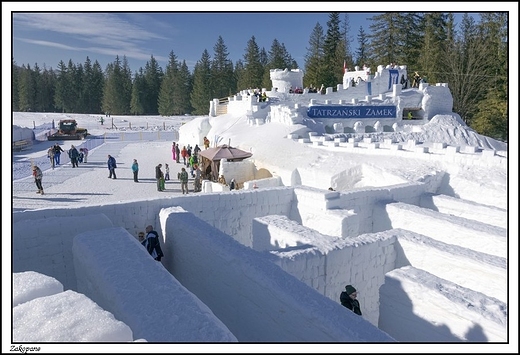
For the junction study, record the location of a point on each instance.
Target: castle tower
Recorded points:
(283, 80)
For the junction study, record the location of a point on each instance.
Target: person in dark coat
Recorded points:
(348, 299)
(57, 153)
(159, 176)
(74, 156)
(152, 243)
(177, 153)
(111, 166)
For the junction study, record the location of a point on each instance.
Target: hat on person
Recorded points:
(350, 289)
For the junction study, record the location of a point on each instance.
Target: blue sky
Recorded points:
(48, 37)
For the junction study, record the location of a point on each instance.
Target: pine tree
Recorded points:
(153, 76)
(221, 83)
(168, 87)
(239, 73)
(431, 59)
(78, 77)
(333, 52)
(492, 118)
(71, 96)
(127, 86)
(26, 89)
(97, 84)
(182, 89)
(345, 31)
(138, 93)
(411, 40)
(314, 67)
(38, 89)
(201, 94)
(117, 90)
(277, 58)
(362, 53)
(62, 88)
(386, 37)
(46, 84)
(91, 88)
(466, 61)
(253, 68)
(14, 86)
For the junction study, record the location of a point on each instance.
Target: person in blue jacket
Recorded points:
(152, 243)
(135, 170)
(111, 166)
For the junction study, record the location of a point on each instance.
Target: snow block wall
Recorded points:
(239, 170)
(61, 321)
(437, 303)
(116, 271)
(361, 261)
(437, 100)
(240, 275)
(319, 210)
(477, 271)
(448, 229)
(47, 248)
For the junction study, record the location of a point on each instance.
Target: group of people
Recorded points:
(54, 155)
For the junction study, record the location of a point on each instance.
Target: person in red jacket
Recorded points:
(184, 154)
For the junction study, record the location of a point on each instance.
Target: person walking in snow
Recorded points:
(159, 176)
(74, 156)
(177, 154)
(50, 155)
(348, 299)
(37, 173)
(184, 154)
(135, 170)
(152, 243)
(57, 153)
(174, 158)
(111, 166)
(166, 172)
(197, 182)
(183, 177)
(206, 143)
(85, 154)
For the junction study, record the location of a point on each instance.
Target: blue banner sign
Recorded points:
(352, 112)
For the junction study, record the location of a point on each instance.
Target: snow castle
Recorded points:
(363, 103)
